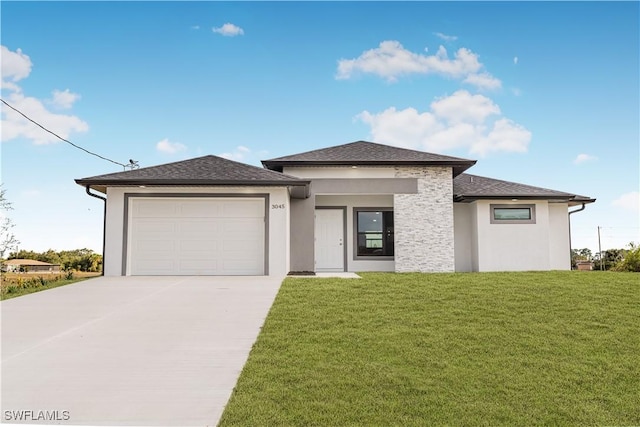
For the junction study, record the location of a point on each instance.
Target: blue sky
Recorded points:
(541, 93)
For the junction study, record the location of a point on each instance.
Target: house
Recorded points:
(360, 206)
(30, 266)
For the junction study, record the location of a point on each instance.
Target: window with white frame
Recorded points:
(513, 214)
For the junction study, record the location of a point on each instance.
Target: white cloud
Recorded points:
(229, 30)
(446, 37)
(15, 126)
(629, 201)
(515, 60)
(245, 155)
(64, 99)
(15, 67)
(506, 135)
(167, 147)
(581, 158)
(238, 154)
(391, 60)
(483, 81)
(464, 107)
(457, 121)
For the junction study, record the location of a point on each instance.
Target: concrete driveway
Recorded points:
(130, 350)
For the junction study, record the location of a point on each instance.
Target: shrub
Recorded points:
(631, 261)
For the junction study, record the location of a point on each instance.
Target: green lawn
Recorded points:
(558, 348)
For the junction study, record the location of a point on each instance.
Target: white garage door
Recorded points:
(197, 236)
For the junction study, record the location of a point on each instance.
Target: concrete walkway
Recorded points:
(131, 350)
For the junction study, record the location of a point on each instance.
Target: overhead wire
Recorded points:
(61, 138)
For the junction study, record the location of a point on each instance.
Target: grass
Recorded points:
(547, 348)
(18, 284)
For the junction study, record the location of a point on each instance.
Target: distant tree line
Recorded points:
(77, 259)
(611, 259)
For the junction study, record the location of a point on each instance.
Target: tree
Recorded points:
(609, 258)
(8, 240)
(631, 261)
(75, 259)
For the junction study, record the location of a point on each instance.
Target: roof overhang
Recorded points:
(298, 188)
(572, 200)
(279, 165)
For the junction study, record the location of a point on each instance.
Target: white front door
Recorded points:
(329, 244)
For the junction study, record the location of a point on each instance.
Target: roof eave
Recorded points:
(458, 166)
(555, 197)
(188, 182)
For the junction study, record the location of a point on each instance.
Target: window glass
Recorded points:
(369, 222)
(512, 213)
(375, 233)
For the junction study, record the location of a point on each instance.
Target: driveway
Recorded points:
(130, 350)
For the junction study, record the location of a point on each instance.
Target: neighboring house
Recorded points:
(30, 266)
(355, 207)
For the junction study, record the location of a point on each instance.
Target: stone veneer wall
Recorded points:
(424, 221)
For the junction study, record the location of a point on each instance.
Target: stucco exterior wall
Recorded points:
(559, 252)
(302, 235)
(424, 236)
(462, 236)
(515, 247)
(473, 211)
(342, 172)
(278, 228)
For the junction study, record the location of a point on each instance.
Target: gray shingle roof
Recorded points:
(367, 153)
(206, 170)
(468, 187)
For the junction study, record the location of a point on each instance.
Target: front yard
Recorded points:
(17, 284)
(558, 348)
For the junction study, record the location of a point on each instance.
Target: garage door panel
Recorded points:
(155, 209)
(245, 247)
(198, 268)
(243, 209)
(198, 209)
(197, 237)
(243, 226)
(151, 252)
(190, 247)
(154, 246)
(153, 267)
(231, 267)
(200, 226)
(154, 226)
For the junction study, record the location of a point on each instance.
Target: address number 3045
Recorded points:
(278, 206)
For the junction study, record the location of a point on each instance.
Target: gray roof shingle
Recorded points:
(367, 153)
(206, 170)
(468, 187)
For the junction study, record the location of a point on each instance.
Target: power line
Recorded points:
(133, 164)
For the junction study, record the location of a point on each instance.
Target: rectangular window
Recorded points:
(374, 233)
(513, 214)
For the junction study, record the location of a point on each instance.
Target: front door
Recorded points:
(329, 240)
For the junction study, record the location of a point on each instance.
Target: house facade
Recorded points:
(30, 266)
(354, 207)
